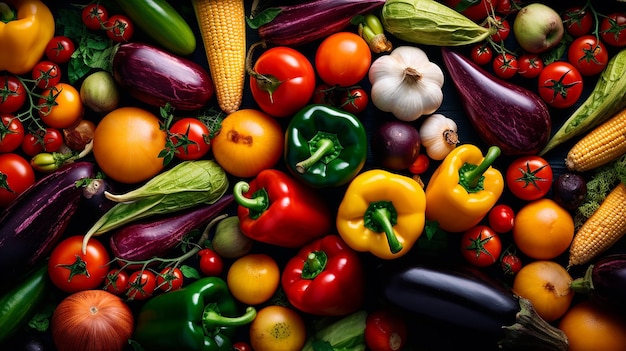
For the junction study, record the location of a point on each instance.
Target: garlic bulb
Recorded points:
(439, 136)
(406, 83)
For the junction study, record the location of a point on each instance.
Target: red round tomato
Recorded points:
(95, 16)
(385, 330)
(326, 95)
(503, 28)
(11, 133)
(142, 284)
(481, 54)
(511, 264)
(46, 74)
(282, 82)
(60, 49)
(71, 270)
(242, 346)
(577, 20)
(12, 94)
(588, 54)
(530, 65)
(170, 278)
(16, 175)
(211, 264)
(507, 7)
(60, 106)
(354, 100)
(420, 165)
(191, 138)
(501, 218)
(505, 65)
(48, 140)
(474, 10)
(120, 28)
(116, 281)
(529, 177)
(343, 59)
(481, 246)
(613, 29)
(560, 84)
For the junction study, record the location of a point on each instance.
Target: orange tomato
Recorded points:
(253, 278)
(546, 284)
(343, 59)
(61, 106)
(589, 327)
(127, 143)
(249, 141)
(277, 328)
(542, 229)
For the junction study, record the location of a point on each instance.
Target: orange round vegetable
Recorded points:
(61, 106)
(277, 328)
(589, 327)
(253, 278)
(546, 284)
(542, 229)
(127, 143)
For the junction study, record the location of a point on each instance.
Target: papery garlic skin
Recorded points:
(439, 136)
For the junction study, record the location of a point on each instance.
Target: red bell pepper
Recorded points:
(325, 278)
(276, 209)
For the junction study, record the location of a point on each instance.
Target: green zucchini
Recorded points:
(20, 303)
(607, 98)
(159, 20)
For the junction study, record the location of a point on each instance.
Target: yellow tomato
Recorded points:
(589, 327)
(253, 278)
(542, 229)
(61, 106)
(277, 328)
(249, 141)
(127, 143)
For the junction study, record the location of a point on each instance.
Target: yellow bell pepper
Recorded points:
(463, 188)
(26, 27)
(382, 213)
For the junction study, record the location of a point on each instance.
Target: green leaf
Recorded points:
(264, 17)
(189, 272)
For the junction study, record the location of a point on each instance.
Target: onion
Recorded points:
(396, 144)
(99, 92)
(78, 136)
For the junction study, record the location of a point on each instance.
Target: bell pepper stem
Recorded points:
(6, 13)
(381, 216)
(324, 146)
(314, 264)
(211, 319)
(258, 203)
(472, 177)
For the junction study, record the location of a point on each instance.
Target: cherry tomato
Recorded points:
(588, 54)
(530, 65)
(142, 284)
(354, 100)
(507, 7)
(560, 84)
(481, 246)
(385, 330)
(61, 106)
(283, 81)
(503, 28)
(211, 264)
(46, 74)
(481, 54)
(49, 140)
(420, 165)
(529, 177)
(242, 346)
(16, 175)
(169, 279)
(577, 20)
(120, 28)
(326, 95)
(71, 270)
(613, 29)
(343, 59)
(501, 218)
(510, 263)
(11, 133)
(12, 94)
(474, 10)
(95, 16)
(505, 65)
(60, 49)
(116, 281)
(191, 138)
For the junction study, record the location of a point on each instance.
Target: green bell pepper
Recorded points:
(325, 146)
(200, 316)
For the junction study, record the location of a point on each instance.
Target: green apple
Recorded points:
(538, 28)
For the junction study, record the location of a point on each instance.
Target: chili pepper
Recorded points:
(463, 188)
(25, 30)
(200, 316)
(325, 146)
(382, 212)
(275, 208)
(325, 278)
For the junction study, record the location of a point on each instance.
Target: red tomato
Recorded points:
(501, 218)
(503, 28)
(242, 346)
(530, 65)
(142, 284)
(481, 246)
(613, 29)
(61, 106)
(507, 7)
(577, 20)
(354, 100)
(481, 54)
(385, 330)
(529, 177)
(474, 10)
(12, 94)
(170, 279)
(116, 281)
(191, 137)
(505, 65)
(510, 263)
(343, 59)
(120, 28)
(560, 84)
(16, 175)
(71, 270)
(95, 16)
(588, 54)
(60, 49)
(420, 165)
(283, 81)
(326, 95)
(46, 74)
(50, 140)
(211, 264)
(11, 133)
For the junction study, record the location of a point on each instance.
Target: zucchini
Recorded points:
(607, 99)
(159, 20)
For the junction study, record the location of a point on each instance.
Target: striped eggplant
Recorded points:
(605, 281)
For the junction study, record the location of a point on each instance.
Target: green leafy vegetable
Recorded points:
(345, 334)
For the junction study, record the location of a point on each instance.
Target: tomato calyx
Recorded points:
(559, 87)
(478, 245)
(529, 176)
(78, 267)
(267, 83)
(4, 183)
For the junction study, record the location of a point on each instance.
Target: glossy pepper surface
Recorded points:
(325, 146)
(463, 188)
(382, 212)
(275, 208)
(325, 278)
(200, 316)
(26, 27)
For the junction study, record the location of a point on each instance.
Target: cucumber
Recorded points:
(159, 20)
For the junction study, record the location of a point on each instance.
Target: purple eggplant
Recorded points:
(504, 114)
(148, 238)
(157, 77)
(605, 281)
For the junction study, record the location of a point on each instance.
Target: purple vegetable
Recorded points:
(151, 237)
(157, 77)
(605, 281)
(396, 144)
(503, 114)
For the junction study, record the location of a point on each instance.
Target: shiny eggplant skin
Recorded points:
(504, 114)
(605, 281)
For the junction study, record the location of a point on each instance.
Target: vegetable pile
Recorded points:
(312, 175)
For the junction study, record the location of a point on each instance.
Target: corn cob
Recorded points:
(602, 145)
(603, 229)
(223, 30)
